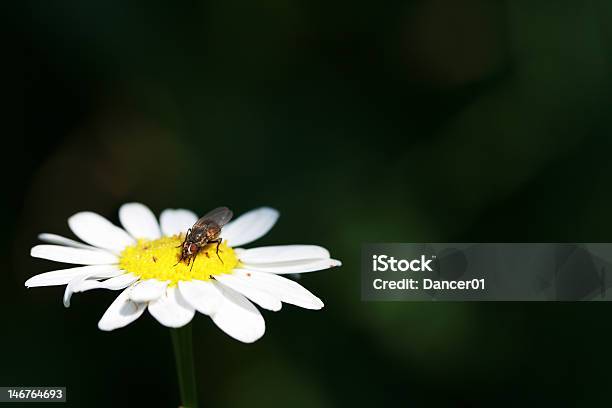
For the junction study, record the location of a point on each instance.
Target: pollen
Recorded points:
(158, 259)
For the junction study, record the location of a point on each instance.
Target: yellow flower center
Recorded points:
(158, 259)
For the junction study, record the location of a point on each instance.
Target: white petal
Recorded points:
(120, 281)
(294, 266)
(283, 253)
(178, 221)
(237, 317)
(251, 291)
(121, 312)
(285, 289)
(204, 296)
(249, 226)
(139, 221)
(73, 255)
(171, 309)
(99, 232)
(59, 240)
(63, 276)
(78, 282)
(147, 290)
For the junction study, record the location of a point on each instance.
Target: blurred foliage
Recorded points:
(437, 120)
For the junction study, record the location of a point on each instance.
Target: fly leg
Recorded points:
(218, 241)
(180, 259)
(185, 240)
(183, 246)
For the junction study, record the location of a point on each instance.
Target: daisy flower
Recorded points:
(141, 260)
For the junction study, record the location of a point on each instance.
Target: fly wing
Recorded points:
(220, 216)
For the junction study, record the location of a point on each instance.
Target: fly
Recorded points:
(206, 230)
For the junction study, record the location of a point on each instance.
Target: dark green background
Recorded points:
(417, 121)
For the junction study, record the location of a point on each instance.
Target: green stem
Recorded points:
(183, 352)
